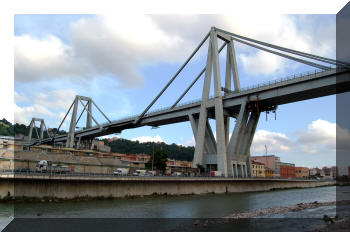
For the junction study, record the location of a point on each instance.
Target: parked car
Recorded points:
(121, 171)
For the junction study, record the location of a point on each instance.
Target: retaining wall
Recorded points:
(73, 187)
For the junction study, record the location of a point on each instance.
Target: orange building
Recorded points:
(287, 170)
(269, 172)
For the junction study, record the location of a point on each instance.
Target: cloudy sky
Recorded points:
(123, 61)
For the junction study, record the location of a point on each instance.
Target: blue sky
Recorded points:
(123, 62)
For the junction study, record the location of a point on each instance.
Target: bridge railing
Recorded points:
(310, 74)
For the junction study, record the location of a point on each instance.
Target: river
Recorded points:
(193, 206)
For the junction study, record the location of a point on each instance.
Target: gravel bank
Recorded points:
(279, 210)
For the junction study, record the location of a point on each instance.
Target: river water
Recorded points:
(194, 206)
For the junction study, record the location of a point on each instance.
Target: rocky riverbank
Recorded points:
(279, 210)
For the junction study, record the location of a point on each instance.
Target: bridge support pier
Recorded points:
(32, 125)
(88, 107)
(232, 152)
(70, 136)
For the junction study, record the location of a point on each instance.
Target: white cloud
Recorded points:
(56, 99)
(45, 59)
(20, 97)
(25, 114)
(318, 137)
(44, 106)
(118, 45)
(319, 134)
(261, 63)
(276, 142)
(144, 139)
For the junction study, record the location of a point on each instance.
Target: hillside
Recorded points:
(6, 128)
(173, 151)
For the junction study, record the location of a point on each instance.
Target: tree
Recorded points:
(159, 161)
(173, 151)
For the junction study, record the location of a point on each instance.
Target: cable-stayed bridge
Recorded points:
(229, 154)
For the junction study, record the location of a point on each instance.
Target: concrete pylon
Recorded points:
(205, 140)
(88, 115)
(81, 141)
(228, 151)
(32, 126)
(71, 133)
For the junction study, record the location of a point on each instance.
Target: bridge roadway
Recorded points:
(270, 94)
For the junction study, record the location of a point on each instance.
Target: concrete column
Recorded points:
(88, 116)
(228, 69)
(227, 129)
(194, 126)
(236, 131)
(242, 175)
(248, 133)
(233, 61)
(256, 116)
(245, 169)
(78, 143)
(232, 172)
(236, 169)
(30, 130)
(70, 137)
(210, 141)
(42, 129)
(203, 115)
(227, 86)
(242, 129)
(219, 110)
(249, 166)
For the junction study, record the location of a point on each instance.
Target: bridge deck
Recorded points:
(277, 92)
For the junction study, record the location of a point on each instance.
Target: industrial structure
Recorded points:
(230, 155)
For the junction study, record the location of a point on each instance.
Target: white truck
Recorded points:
(139, 173)
(151, 173)
(121, 171)
(48, 166)
(177, 174)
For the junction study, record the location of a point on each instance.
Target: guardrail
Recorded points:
(92, 175)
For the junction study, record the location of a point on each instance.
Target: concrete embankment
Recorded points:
(70, 187)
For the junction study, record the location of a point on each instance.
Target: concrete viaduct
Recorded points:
(229, 154)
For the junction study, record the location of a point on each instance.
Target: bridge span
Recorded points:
(229, 155)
